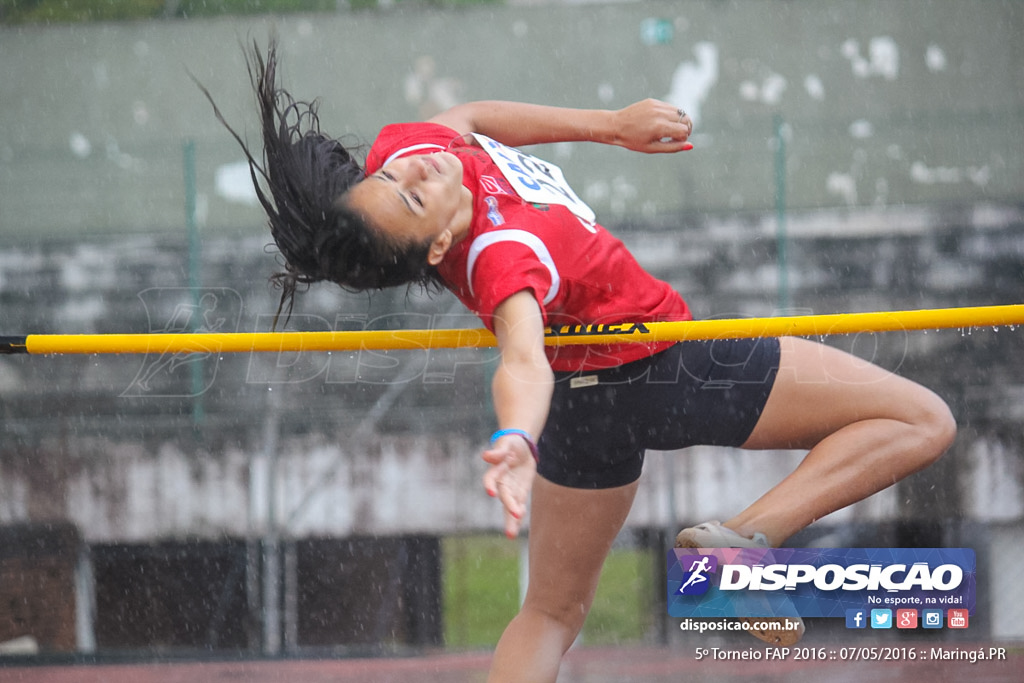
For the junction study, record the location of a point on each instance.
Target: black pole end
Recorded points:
(10, 345)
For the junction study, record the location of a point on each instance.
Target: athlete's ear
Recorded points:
(439, 247)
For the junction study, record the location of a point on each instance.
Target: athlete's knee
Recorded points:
(935, 423)
(565, 616)
(944, 428)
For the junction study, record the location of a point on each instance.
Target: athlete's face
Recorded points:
(417, 199)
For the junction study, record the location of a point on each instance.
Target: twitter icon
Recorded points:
(881, 618)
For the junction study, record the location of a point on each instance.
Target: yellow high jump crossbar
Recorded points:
(732, 328)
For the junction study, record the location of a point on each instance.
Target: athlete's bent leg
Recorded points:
(571, 532)
(866, 429)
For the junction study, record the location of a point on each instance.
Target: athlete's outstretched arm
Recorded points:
(646, 126)
(521, 391)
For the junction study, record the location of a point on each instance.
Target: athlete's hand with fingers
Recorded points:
(510, 478)
(653, 126)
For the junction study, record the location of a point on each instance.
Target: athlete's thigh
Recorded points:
(820, 389)
(571, 532)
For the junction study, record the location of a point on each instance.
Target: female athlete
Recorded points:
(450, 202)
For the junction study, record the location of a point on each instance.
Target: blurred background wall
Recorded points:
(881, 103)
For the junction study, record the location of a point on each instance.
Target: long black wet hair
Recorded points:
(307, 175)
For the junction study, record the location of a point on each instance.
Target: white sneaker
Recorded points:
(714, 535)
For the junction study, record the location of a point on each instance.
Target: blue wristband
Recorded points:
(518, 432)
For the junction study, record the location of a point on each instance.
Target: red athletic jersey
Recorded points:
(578, 272)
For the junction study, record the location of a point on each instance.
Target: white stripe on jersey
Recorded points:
(530, 240)
(411, 148)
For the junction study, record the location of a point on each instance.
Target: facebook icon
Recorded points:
(856, 618)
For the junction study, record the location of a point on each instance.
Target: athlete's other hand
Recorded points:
(653, 126)
(510, 478)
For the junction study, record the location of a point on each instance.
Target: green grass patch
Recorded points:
(481, 589)
(481, 593)
(621, 609)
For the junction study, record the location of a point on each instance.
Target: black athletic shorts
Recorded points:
(694, 393)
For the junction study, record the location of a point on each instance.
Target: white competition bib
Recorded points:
(535, 180)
